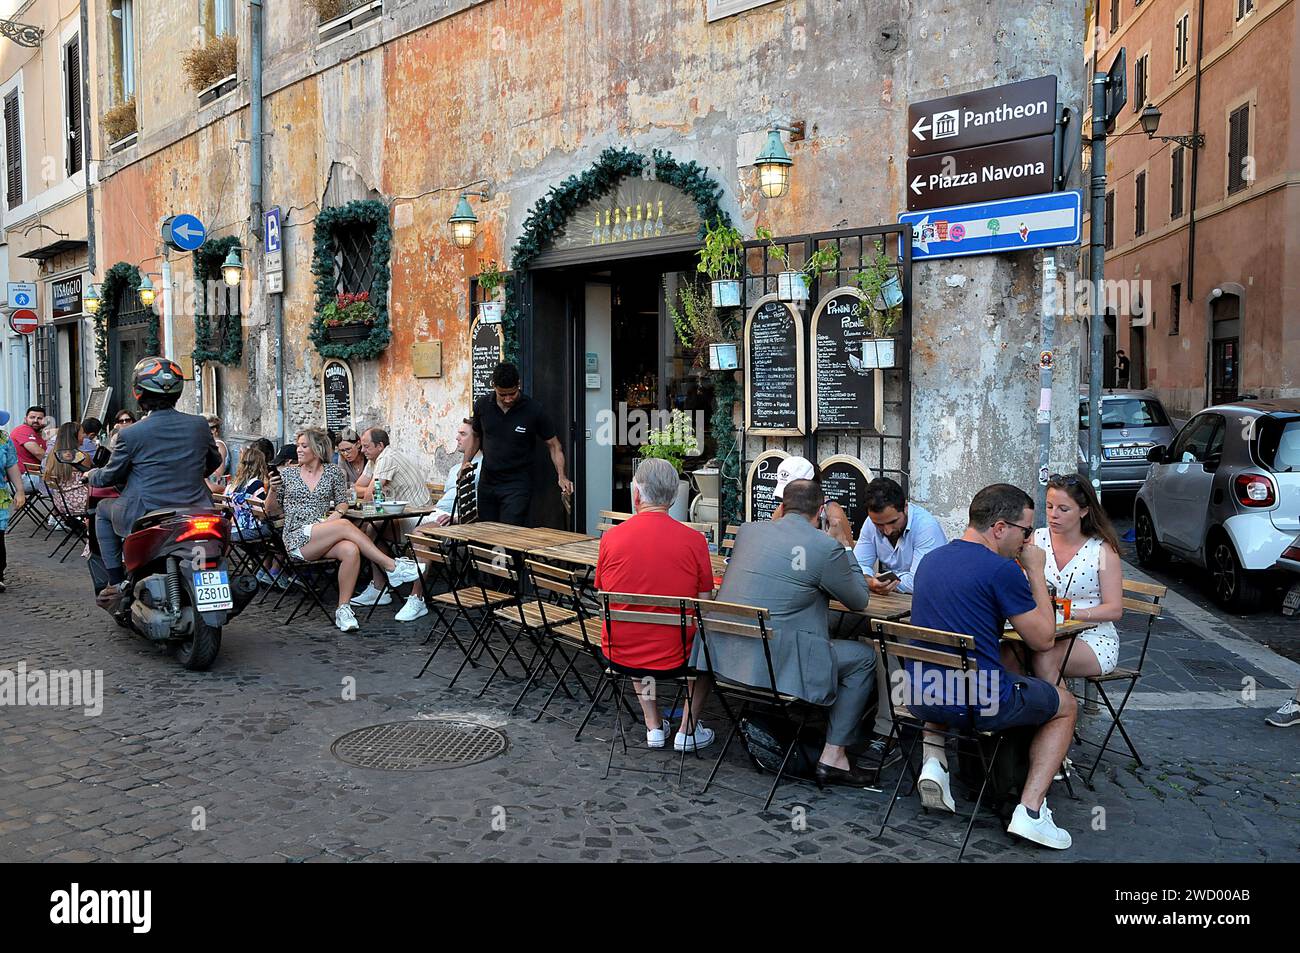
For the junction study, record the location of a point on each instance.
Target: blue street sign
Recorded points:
(985, 228)
(186, 232)
(271, 229)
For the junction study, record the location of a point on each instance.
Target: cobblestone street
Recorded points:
(248, 743)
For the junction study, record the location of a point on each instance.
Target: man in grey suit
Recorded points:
(793, 569)
(161, 462)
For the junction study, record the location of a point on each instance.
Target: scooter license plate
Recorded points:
(212, 590)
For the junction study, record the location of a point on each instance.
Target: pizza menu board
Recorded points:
(336, 392)
(846, 395)
(774, 368)
(487, 344)
(844, 480)
(760, 504)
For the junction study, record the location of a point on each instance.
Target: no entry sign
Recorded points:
(23, 321)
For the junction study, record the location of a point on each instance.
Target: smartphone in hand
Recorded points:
(887, 576)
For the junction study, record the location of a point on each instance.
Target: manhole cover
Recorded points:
(419, 745)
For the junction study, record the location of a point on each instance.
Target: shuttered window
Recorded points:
(1182, 41)
(1140, 204)
(1109, 241)
(72, 103)
(1238, 148)
(1175, 307)
(1176, 163)
(13, 152)
(1140, 82)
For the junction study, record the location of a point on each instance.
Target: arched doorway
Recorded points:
(1225, 348)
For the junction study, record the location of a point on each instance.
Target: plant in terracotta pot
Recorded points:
(721, 259)
(881, 308)
(793, 284)
(349, 317)
(491, 280)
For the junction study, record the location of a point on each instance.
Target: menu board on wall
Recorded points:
(487, 346)
(774, 369)
(846, 395)
(844, 480)
(759, 484)
(336, 392)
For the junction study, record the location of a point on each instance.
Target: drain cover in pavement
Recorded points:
(419, 745)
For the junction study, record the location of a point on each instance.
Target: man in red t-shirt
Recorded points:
(654, 555)
(31, 446)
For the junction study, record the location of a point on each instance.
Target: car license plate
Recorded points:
(212, 590)
(1124, 453)
(1292, 601)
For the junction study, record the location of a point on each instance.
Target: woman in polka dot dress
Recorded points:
(1083, 564)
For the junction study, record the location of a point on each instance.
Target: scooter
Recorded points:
(178, 588)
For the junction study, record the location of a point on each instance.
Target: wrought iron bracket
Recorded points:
(21, 33)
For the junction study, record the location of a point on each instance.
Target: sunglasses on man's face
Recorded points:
(1027, 530)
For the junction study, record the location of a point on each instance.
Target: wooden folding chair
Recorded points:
(728, 541)
(751, 622)
(566, 627)
(39, 508)
(608, 519)
(465, 508)
(1143, 598)
(948, 652)
(471, 603)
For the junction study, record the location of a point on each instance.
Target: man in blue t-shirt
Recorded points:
(971, 586)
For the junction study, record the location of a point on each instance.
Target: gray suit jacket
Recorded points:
(792, 569)
(162, 462)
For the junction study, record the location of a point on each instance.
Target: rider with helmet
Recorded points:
(162, 462)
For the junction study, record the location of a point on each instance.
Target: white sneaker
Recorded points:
(702, 738)
(936, 793)
(344, 620)
(370, 597)
(1042, 831)
(414, 609)
(657, 737)
(405, 571)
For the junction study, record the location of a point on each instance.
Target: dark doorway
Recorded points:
(127, 336)
(1137, 368)
(1225, 349)
(1108, 351)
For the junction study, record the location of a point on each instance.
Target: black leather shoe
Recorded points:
(852, 777)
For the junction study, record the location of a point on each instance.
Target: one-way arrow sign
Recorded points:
(1035, 221)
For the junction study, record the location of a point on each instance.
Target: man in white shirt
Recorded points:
(894, 540)
(447, 502)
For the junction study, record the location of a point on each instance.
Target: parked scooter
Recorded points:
(178, 587)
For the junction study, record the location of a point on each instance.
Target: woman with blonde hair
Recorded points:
(315, 500)
(61, 473)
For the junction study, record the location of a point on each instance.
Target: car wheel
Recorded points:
(1150, 554)
(1236, 589)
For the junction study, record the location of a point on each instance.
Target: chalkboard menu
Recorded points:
(336, 392)
(844, 480)
(759, 502)
(487, 346)
(846, 395)
(774, 368)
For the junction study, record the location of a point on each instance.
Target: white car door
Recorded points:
(1186, 481)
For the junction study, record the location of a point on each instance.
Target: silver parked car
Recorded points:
(1132, 422)
(1226, 495)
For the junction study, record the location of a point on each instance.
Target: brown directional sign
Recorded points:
(982, 116)
(982, 174)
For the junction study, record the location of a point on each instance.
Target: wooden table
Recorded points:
(519, 539)
(584, 553)
(888, 606)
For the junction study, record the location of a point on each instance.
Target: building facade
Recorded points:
(1213, 224)
(374, 118)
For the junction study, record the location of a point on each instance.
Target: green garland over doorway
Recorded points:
(122, 279)
(207, 267)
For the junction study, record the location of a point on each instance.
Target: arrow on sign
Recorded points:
(185, 231)
(914, 182)
(921, 128)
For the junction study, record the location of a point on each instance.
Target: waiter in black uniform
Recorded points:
(506, 426)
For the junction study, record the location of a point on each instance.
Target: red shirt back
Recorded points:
(652, 555)
(23, 434)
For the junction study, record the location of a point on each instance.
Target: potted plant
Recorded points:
(349, 317)
(491, 280)
(674, 443)
(793, 284)
(721, 259)
(880, 310)
(696, 322)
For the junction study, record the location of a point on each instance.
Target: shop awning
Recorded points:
(61, 247)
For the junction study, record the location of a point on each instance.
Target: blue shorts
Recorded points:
(1033, 701)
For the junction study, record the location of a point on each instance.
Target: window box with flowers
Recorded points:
(349, 318)
(350, 262)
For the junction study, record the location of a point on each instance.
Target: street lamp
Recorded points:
(774, 162)
(463, 221)
(90, 301)
(1150, 120)
(146, 291)
(232, 269)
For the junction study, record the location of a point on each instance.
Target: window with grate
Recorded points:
(1176, 163)
(1140, 81)
(1182, 41)
(354, 248)
(72, 104)
(1110, 221)
(1238, 147)
(1175, 306)
(1140, 204)
(13, 151)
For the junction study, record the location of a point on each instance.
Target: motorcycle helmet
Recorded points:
(157, 375)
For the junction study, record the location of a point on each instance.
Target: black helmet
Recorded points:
(157, 375)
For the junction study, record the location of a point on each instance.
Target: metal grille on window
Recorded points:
(353, 258)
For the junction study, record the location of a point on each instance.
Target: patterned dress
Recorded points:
(1079, 580)
(304, 506)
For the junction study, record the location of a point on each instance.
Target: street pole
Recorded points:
(1046, 361)
(1097, 270)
